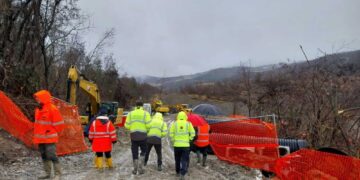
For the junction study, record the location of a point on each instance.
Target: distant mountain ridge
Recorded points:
(345, 62)
(210, 76)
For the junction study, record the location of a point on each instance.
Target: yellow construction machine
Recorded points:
(158, 106)
(179, 107)
(183, 107)
(77, 80)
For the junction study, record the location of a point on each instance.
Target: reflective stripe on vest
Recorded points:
(102, 134)
(58, 123)
(181, 141)
(161, 129)
(182, 133)
(203, 136)
(152, 134)
(202, 140)
(137, 120)
(140, 121)
(48, 122)
(45, 136)
(107, 127)
(99, 133)
(43, 122)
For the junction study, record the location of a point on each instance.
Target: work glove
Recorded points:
(114, 142)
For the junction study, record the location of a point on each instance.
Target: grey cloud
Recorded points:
(176, 37)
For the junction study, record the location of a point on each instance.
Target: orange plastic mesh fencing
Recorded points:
(71, 139)
(14, 121)
(251, 127)
(308, 164)
(251, 143)
(18, 125)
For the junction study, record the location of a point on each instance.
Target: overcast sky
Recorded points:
(179, 37)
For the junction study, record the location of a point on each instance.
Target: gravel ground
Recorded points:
(18, 162)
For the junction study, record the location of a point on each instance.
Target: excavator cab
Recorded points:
(112, 108)
(114, 112)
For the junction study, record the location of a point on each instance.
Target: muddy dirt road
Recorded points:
(80, 166)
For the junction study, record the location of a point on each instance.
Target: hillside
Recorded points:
(211, 76)
(344, 63)
(339, 63)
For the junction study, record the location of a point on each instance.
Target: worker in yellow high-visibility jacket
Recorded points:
(138, 122)
(181, 133)
(158, 130)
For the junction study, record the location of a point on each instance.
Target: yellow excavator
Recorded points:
(77, 80)
(179, 107)
(158, 106)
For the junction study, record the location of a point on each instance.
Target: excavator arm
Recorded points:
(76, 80)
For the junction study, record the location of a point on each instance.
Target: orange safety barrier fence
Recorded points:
(309, 164)
(251, 127)
(13, 121)
(71, 139)
(251, 143)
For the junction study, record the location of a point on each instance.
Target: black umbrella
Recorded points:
(207, 110)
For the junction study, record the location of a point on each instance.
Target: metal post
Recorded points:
(274, 119)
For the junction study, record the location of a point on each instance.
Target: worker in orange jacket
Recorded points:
(201, 142)
(102, 135)
(48, 124)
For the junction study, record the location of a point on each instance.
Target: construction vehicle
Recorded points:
(180, 107)
(158, 106)
(77, 80)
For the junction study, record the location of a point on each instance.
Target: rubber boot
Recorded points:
(159, 168)
(47, 168)
(198, 157)
(99, 162)
(141, 165)
(109, 163)
(57, 171)
(95, 161)
(204, 161)
(135, 164)
(182, 177)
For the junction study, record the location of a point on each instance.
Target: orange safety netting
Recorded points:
(71, 139)
(309, 164)
(13, 121)
(251, 143)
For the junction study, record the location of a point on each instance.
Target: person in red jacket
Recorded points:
(102, 135)
(48, 124)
